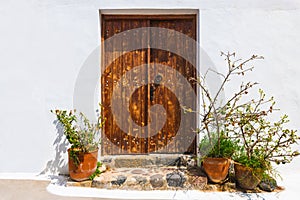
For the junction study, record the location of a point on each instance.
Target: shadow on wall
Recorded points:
(58, 165)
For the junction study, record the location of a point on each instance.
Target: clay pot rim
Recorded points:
(229, 160)
(80, 150)
(217, 158)
(253, 170)
(250, 168)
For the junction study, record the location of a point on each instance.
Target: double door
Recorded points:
(140, 89)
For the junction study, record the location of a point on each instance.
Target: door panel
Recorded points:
(176, 62)
(118, 140)
(136, 97)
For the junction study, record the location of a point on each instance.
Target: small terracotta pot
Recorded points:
(86, 167)
(245, 177)
(216, 168)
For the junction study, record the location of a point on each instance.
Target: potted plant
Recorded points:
(263, 141)
(82, 135)
(218, 145)
(216, 157)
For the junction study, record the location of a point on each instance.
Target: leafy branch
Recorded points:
(214, 116)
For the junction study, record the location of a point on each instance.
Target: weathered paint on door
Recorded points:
(146, 93)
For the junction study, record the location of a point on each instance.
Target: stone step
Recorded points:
(145, 161)
(159, 178)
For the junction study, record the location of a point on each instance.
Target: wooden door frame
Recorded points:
(154, 15)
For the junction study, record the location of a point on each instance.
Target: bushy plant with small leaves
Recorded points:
(264, 141)
(210, 148)
(82, 134)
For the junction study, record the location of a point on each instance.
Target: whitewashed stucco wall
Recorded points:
(43, 45)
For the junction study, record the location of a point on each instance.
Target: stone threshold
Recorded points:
(148, 160)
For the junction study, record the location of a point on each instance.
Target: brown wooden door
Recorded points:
(141, 88)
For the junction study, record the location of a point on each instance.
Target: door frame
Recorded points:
(155, 14)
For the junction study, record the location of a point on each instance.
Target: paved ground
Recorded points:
(44, 190)
(29, 190)
(13, 189)
(39, 190)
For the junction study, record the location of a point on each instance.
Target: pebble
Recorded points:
(175, 179)
(156, 180)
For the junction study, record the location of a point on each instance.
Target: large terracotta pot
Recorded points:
(245, 177)
(86, 167)
(216, 168)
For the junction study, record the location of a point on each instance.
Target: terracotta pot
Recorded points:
(216, 168)
(86, 167)
(245, 177)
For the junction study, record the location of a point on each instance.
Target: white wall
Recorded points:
(44, 44)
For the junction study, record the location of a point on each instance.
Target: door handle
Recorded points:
(157, 80)
(152, 89)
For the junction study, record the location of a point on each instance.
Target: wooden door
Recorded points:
(142, 88)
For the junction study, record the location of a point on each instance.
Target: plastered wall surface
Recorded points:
(44, 44)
